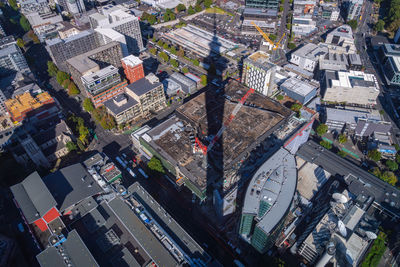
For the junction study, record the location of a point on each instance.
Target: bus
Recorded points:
(121, 162)
(143, 173)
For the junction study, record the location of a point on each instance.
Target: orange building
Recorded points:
(21, 105)
(133, 68)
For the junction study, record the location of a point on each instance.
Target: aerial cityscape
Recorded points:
(199, 133)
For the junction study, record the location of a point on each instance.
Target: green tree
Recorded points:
(291, 46)
(20, 43)
(352, 24)
(155, 165)
(279, 97)
(322, 129)
(342, 138)
(88, 105)
(185, 69)
(153, 51)
(24, 23)
(73, 89)
(198, 8)
(191, 10)
(342, 153)
(165, 46)
(196, 62)
(207, 3)
(272, 37)
(389, 177)
(296, 107)
(379, 26)
(280, 8)
(181, 7)
(152, 19)
(173, 50)
(203, 79)
(13, 4)
(392, 165)
(66, 83)
(181, 52)
(51, 68)
(61, 76)
(174, 63)
(374, 155)
(160, 43)
(83, 133)
(163, 56)
(326, 144)
(71, 146)
(108, 122)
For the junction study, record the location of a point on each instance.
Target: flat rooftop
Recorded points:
(131, 60)
(260, 59)
(273, 186)
(298, 86)
(100, 74)
(203, 116)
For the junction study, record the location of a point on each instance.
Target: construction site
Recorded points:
(202, 148)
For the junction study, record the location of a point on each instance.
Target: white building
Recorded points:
(109, 35)
(354, 8)
(258, 73)
(307, 56)
(352, 87)
(303, 25)
(341, 40)
(118, 19)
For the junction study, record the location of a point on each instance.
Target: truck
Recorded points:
(143, 173)
(121, 162)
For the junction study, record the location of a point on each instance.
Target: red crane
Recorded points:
(225, 125)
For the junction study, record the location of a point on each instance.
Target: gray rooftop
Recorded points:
(351, 116)
(116, 109)
(260, 11)
(298, 86)
(182, 238)
(6, 51)
(71, 185)
(274, 183)
(343, 31)
(69, 39)
(311, 51)
(141, 233)
(142, 86)
(367, 128)
(74, 248)
(33, 197)
(355, 59)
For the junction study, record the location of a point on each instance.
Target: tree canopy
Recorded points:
(51, 68)
(25, 25)
(291, 46)
(174, 63)
(392, 165)
(379, 26)
(207, 3)
(71, 146)
(73, 89)
(203, 79)
(61, 76)
(185, 69)
(191, 10)
(386, 176)
(181, 7)
(155, 165)
(20, 43)
(198, 8)
(88, 105)
(374, 155)
(326, 144)
(352, 24)
(322, 129)
(342, 138)
(163, 56)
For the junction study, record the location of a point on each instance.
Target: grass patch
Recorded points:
(217, 10)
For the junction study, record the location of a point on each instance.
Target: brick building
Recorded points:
(133, 68)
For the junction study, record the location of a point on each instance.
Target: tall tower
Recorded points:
(133, 68)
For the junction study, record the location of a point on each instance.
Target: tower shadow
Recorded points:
(215, 107)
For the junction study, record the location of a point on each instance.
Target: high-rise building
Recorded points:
(258, 73)
(354, 8)
(268, 200)
(103, 85)
(61, 50)
(29, 6)
(71, 6)
(268, 4)
(12, 59)
(133, 68)
(118, 19)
